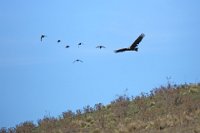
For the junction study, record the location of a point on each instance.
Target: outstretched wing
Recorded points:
(100, 46)
(121, 50)
(137, 41)
(78, 61)
(81, 61)
(74, 61)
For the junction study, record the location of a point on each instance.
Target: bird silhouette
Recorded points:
(58, 41)
(67, 46)
(78, 60)
(134, 45)
(42, 36)
(100, 47)
(79, 44)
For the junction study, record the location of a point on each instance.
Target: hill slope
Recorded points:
(166, 109)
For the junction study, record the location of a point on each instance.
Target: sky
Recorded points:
(39, 79)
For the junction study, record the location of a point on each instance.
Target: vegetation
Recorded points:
(171, 108)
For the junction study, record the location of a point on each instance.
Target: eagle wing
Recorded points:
(121, 50)
(137, 41)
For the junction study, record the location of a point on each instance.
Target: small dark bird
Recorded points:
(42, 36)
(134, 45)
(58, 41)
(77, 60)
(100, 47)
(67, 46)
(79, 44)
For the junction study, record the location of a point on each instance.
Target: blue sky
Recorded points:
(38, 79)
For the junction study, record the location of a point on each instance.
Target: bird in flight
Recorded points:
(77, 60)
(58, 41)
(42, 36)
(79, 44)
(100, 47)
(67, 46)
(134, 45)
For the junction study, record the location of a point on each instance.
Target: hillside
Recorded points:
(171, 108)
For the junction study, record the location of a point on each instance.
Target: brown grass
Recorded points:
(167, 109)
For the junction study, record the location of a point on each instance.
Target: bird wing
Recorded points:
(41, 38)
(81, 61)
(137, 41)
(121, 50)
(100, 46)
(78, 61)
(74, 61)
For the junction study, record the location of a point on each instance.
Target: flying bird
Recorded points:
(79, 44)
(58, 41)
(67, 46)
(134, 45)
(100, 47)
(42, 36)
(77, 60)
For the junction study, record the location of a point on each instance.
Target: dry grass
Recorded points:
(174, 108)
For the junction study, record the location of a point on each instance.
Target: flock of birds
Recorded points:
(133, 47)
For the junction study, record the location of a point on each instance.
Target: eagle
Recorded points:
(134, 45)
(42, 36)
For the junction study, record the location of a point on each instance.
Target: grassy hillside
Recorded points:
(169, 109)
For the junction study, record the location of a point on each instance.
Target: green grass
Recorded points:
(174, 108)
